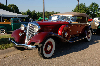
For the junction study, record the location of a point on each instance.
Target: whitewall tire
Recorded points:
(47, 48)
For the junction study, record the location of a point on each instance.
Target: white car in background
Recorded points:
(97, 19)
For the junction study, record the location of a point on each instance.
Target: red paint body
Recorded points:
(51, 27)
(39, 37)
(60, 29)
(52, 23)
(19, 39)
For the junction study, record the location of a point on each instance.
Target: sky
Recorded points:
(50, 5)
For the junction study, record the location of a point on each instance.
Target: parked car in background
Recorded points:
(46, 35)
(14, 24)
(97, 19)
(95, 26)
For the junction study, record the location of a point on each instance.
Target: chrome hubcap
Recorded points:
(49, 47)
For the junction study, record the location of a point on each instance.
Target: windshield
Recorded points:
(15, 20)
(64, 18)
(54, 17)
(68, 18)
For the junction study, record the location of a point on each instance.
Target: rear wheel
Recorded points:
(47, 48)
(88, 35)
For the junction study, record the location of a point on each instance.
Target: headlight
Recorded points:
(36, 28)
(23, 27)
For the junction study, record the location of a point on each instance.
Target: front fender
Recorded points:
(38, 38)
(17, 37)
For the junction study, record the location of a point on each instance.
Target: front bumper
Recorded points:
(22, 45)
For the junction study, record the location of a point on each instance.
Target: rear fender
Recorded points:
(61, 29)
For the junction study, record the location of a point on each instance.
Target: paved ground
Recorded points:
(75, 54)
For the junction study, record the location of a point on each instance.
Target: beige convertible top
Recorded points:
(73, 14)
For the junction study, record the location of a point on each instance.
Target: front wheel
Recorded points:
(88, 35)
(47, 48)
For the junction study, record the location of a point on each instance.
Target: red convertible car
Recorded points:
(67, 27)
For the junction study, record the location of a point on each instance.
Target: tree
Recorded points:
(10, 8)
(2, 6)
(82, 8)
(14, 8)
(47, 14)
(39, 14)
(93, 9)
(24, 13)
(34, 15)
(28, 12)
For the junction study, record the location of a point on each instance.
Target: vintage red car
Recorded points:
(68, 27)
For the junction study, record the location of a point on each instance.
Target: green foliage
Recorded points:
(28, 12)
(14, 8)
(4, 42)
(82, 9)
(98, 15)
(39, 14)
(10, 7)
(91, 10)
(34, 15)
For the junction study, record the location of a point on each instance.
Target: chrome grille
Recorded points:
(31, 31)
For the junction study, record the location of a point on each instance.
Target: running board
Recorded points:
(77, 40)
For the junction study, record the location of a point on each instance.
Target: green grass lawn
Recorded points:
(4, 41)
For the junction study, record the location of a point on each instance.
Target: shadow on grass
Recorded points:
(67, 48)
(5, 43)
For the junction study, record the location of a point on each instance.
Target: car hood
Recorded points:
(52, 23)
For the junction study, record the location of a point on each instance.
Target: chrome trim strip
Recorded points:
(22, 45)
(28, 29)
(26, 40)
(78, 23)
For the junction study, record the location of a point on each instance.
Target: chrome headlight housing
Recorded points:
(36, 28)
(23, 26)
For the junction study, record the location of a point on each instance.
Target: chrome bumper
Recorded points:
(22, 45)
